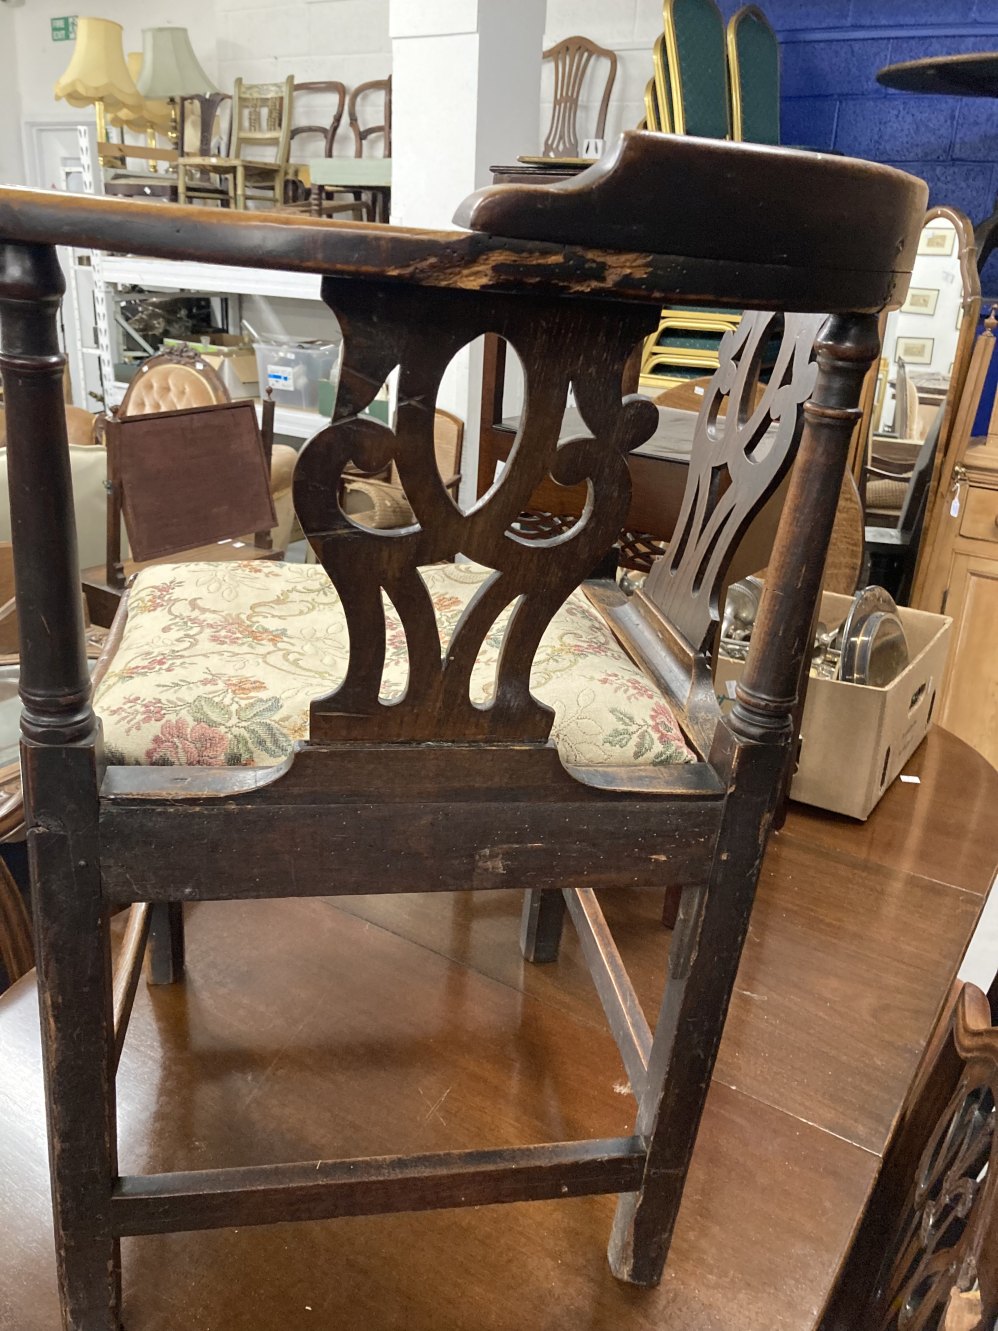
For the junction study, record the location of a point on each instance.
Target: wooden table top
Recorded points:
(970, 75)
(369, 1025)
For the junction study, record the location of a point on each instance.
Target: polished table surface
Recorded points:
(970, 75)
(372, 1025)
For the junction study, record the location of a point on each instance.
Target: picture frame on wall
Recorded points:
(921, 300)
(915, 350)
(937, 240)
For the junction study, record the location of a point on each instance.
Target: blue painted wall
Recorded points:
(831, 51)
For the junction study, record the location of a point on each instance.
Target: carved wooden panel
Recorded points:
(583, 345)
(738, 461)
(947, 1228)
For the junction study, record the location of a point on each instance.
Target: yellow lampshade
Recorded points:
(97, 71)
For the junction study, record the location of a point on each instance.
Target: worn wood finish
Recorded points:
(61, 765)
(472, 816)
(778, 1179)
(571, 59)
(328, 1189)
(672, 245)
(382, 328)
(427, 790)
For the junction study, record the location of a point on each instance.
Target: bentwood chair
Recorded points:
(289, 730)
(754, 76)
(571, 60)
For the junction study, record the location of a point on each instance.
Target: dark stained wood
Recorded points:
(60, 768)
(616, 200)
(486, 818)
(720, 251)
(613, 985)
(429, 790)
(931, 1226)
(325, 1190)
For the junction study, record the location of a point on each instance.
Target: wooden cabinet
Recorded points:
(963, 583)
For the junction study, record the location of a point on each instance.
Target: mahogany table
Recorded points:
(372, 1025)
(970, 75)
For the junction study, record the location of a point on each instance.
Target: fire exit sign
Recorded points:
(64, 29)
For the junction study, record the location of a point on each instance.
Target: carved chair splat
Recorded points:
(430, 788)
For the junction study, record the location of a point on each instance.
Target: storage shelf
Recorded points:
(171, 275)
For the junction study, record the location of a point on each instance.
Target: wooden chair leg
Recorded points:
(670, 906)
(165, 951)
(61, 768)
(541, 924)
(713, 918)
(74, 993)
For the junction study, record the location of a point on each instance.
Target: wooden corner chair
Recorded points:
(571, 60)
(454, 781)
(257, 167)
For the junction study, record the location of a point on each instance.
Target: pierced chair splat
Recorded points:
(431, 745)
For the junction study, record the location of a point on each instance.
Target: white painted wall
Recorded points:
(318, 39)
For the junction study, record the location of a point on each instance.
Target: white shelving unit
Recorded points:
(222, 279)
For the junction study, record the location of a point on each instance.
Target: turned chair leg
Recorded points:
(166, 942)
(541, 924)
(755, 752)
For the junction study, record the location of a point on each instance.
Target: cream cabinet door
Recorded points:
(970, 697)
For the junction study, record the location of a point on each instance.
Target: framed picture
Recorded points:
(921, 300)
(914, 350)
(938, 240)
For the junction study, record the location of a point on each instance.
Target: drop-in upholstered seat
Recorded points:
(218, 664)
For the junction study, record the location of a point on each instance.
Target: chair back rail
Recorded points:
(328, 87)
(385, 319)
(373, 87)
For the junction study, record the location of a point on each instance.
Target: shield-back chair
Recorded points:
(463, 725)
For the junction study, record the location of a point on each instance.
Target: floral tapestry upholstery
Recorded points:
(219, 662)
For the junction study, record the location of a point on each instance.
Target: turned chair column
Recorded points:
(61, 767)
(713, 918)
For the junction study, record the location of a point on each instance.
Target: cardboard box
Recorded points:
(231, 357)
(856, 739)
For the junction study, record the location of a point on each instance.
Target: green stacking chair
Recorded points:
(754, 73)
(694, 44)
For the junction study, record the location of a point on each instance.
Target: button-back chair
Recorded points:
(570, 60)
(753, 76)
(427, 758)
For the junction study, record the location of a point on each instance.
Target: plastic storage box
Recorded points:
(294, 369)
